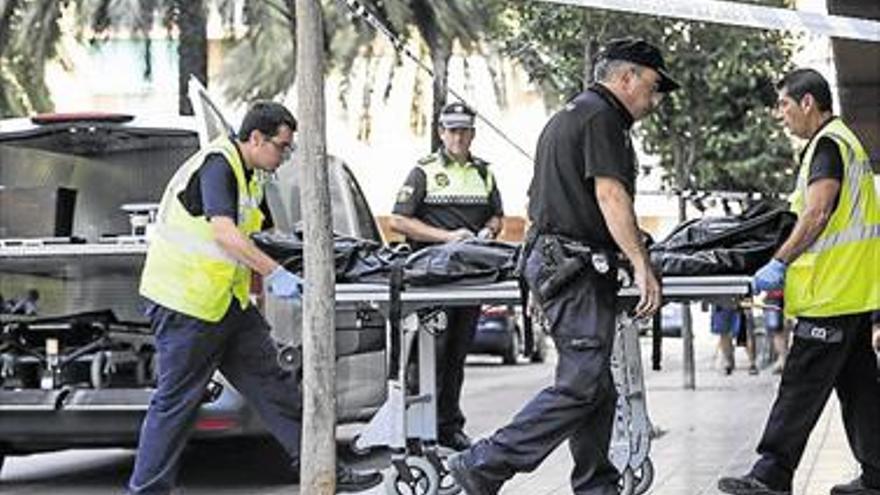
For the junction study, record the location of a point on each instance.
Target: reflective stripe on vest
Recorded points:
(186, 270)
(840, 272)
(453, 183)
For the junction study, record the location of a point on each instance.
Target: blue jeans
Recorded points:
(189, 352)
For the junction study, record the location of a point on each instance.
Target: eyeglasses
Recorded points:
(285, 150)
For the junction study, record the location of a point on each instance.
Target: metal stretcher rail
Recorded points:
(674, 288)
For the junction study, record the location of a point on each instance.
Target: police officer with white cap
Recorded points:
(450, 195)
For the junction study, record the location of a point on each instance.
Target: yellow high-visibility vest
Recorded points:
(186, 270)
(839, 273)
(450, 182)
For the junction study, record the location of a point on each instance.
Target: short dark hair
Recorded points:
(799, 82)
(266, 117)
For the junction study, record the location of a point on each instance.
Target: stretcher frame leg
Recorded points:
(631, 435)
(406, 423)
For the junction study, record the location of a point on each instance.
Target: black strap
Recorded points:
(528, 330)
(395, 309)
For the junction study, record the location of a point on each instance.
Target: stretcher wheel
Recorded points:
(636, 482)
(424, 479)
(356, 450)
(646, 478)
(447, 484)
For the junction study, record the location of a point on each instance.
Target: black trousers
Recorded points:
(452, 349)
(579, 406)
(816, 366)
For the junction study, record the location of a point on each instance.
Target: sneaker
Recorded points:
(457, 441)
(349, 480)
(747, 485)
(854, 487)
(468, 480)
(753, 370)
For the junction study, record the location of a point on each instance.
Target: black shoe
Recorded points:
(854, 487)
(457, 441)
(747, 485)
(349, 480)
(467, 479)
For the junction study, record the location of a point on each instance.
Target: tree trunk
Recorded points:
(7, 8)
(440, 64)
(192, 50)
(440, 50)
(318, 454)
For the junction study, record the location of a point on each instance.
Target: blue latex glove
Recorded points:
(770, 276)
(284, 284)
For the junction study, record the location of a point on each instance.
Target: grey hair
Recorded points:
(607, 69)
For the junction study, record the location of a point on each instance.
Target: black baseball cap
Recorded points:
(639, 51)
(457, 115)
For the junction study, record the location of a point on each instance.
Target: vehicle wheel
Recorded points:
(425, 479)
(511, 353)
(539, 353)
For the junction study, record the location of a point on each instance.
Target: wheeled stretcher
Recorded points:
(406, 422)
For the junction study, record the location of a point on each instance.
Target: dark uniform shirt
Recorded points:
(588, 138)
(213, 191)
(471, 215)
(827, 162)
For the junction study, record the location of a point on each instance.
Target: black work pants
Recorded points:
(579, 406)
(452, 349)
(813, 369)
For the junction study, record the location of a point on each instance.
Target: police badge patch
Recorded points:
(404, 194)
(441, 179)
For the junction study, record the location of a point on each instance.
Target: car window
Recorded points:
(366, 223)
(284, 199)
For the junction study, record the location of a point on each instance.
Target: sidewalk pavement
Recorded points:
(710, 432)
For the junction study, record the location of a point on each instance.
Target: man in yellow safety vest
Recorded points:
(830, 269)
(197, 276)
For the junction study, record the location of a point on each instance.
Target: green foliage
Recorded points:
(717, 132)
(29, 33)
(262, 63)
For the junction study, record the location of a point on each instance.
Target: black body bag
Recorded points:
(733, 245)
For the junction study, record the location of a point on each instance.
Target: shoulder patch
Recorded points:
(428, 159)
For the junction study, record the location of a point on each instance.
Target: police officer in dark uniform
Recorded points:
(450, 195)
(581, 209)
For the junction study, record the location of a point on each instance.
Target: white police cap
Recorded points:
(457, 116)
